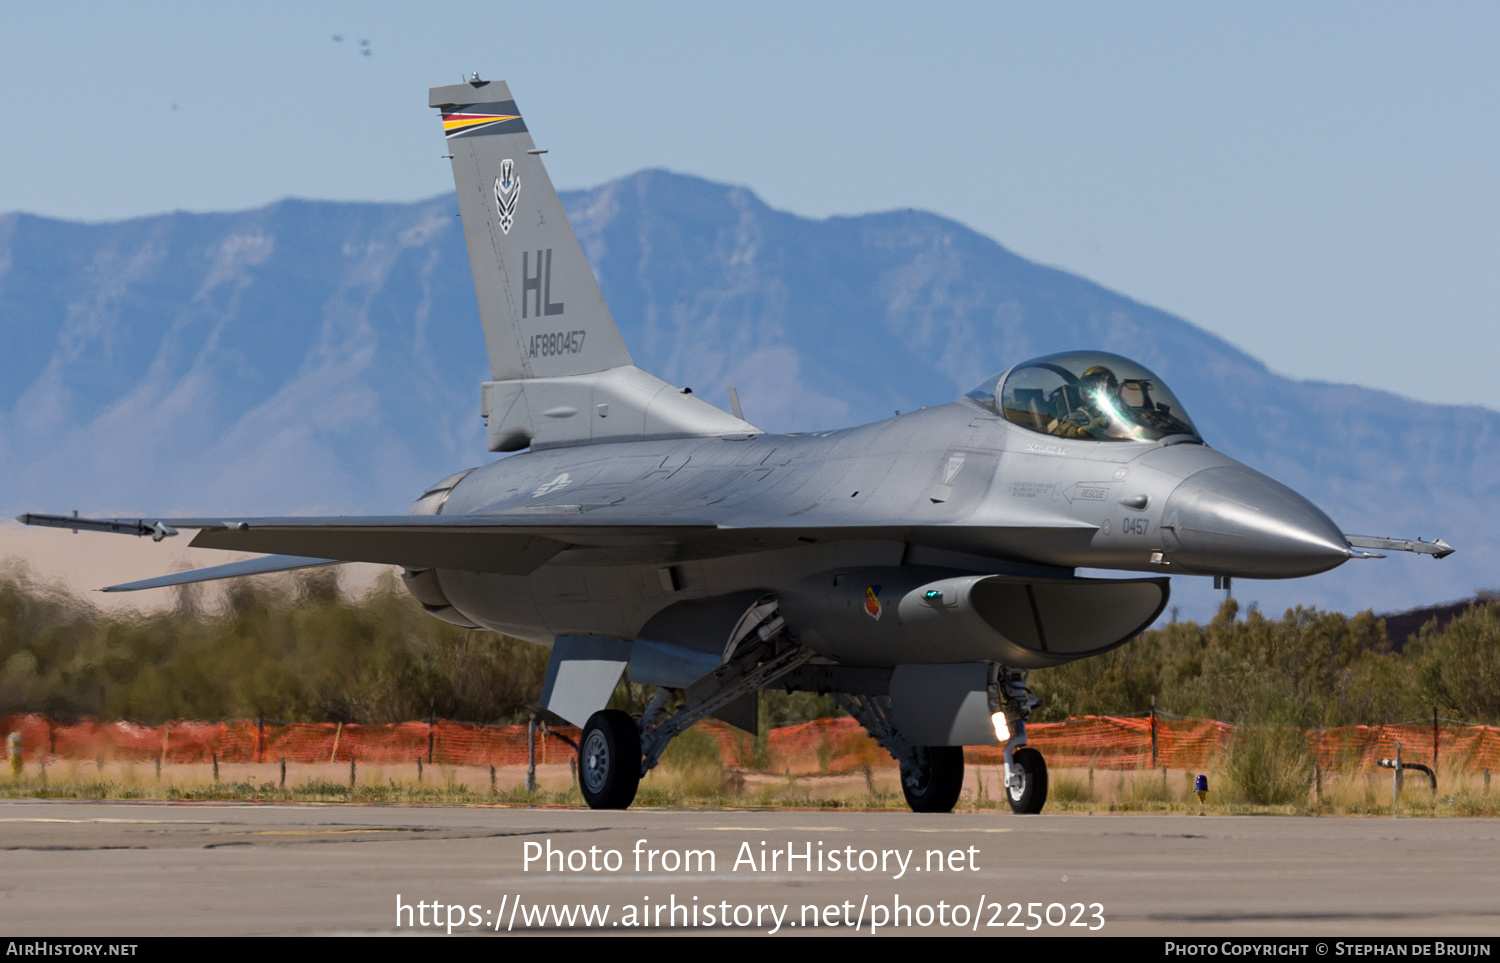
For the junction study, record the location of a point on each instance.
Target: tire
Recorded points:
(609, 760)
(1031, 795)
(933, 786)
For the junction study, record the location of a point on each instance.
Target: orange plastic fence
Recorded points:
(1360, 747)
(1113, 742)
(824, 745)
(241, 740)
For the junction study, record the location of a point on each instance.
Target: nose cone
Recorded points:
(1234, 521)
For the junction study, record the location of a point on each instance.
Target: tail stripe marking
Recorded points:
(455, 124)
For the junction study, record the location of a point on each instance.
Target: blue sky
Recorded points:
(1316, 183)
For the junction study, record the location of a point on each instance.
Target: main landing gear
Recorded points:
(609, 760)
(931, 776)
(933, 780)
(615, 751)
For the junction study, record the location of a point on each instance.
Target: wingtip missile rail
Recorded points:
(157, 530)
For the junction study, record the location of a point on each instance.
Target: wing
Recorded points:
(517, 542)
(510, 544)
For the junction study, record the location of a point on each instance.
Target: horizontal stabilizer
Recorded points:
(250, 566)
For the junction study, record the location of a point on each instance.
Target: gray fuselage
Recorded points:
(947, 489)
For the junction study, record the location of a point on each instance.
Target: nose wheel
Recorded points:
(933, 779)
(609, 760)
(1026, 782)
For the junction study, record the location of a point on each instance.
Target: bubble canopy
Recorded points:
(1087, 394)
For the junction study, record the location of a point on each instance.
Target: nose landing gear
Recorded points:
(1025, 769)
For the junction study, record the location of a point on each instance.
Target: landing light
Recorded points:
(1002, 730)
(933, 594)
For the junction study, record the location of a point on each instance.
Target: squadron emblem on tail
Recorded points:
(507, 192)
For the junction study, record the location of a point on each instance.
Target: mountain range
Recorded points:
(325, 357)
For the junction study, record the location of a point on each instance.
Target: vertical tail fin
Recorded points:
(542, 311)
(561, 373)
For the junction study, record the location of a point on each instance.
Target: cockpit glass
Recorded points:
(1086, 394)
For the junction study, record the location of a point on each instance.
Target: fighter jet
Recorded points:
(920, 568)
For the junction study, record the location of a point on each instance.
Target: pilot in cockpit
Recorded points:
(1095, 408)
(1086, 395)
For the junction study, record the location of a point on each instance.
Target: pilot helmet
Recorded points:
(1099, 377)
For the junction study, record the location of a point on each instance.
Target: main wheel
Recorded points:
(933, 785)
(1028, 793)
(609, 760)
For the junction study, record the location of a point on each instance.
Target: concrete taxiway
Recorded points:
(152, 869)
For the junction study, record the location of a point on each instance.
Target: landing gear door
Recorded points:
(943, 705)
(582, 674)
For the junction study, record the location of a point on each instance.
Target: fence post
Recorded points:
(1435, 731)
(492, 778)
(431, 721)
(216, 768)
(283, 772)
(419, 769)
(531, 754)
(351, 771)
(1153, 731)
(1396, 785)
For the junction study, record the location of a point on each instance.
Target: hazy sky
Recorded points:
(1317, 183)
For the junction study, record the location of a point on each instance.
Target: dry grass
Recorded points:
(691, 779)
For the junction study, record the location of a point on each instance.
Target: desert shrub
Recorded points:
(1270, 765)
